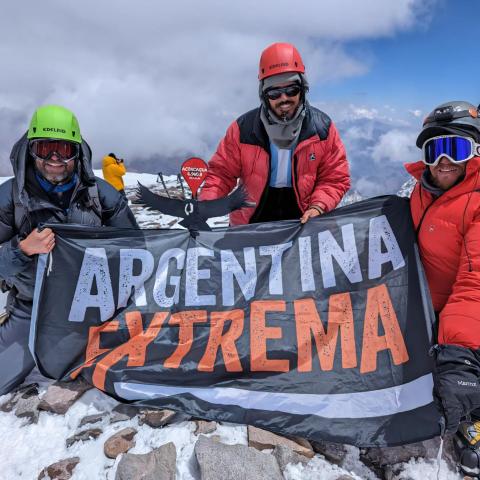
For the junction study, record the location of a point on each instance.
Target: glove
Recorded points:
(456, 382)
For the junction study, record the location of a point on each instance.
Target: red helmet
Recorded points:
(280, 58)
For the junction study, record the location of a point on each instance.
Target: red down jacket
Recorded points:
(449, 239)
(320, 171)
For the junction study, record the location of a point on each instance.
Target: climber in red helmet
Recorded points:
(286, 153)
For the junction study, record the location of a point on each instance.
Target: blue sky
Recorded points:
(436, 60)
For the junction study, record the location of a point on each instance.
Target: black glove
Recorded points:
(456, 382)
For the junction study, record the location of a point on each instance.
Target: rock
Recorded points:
(60, 396)
(381, 457)
(234, 462)
(24, 392)
(155, 418)
(344, 477)
(285, 455)
(262, 439)
(119, 443)
(204, 427)
(160, 463)
(123, 412)
(60, 470)
(333, 452)
(83, 436)
(27, 407)
(384, 461)
(89, 419)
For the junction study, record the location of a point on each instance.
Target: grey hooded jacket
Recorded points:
(17, 269)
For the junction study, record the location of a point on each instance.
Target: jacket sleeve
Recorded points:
(333, 175)
(224, 168)
(12, 259)
(460, 318)
(115, 209)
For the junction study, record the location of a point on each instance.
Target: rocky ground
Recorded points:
(123, 442)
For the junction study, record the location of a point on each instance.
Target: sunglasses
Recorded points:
(290, 91)
(456, 148)
(45, 149)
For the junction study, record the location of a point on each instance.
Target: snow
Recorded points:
(130, 179)
(27, 449)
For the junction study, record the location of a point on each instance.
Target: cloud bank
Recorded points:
(157, 80)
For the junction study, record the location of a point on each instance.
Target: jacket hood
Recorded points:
(108, 160)
(20, 156)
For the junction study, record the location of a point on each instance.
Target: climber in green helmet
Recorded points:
(53, 183)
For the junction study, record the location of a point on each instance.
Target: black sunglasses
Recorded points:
(290, 91)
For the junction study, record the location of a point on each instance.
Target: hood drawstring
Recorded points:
(440, 447)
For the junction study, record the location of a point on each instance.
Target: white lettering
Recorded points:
(127, 280)
(161, 278)
(194, 275)
(347, 259)
(94, 269)
(275, 282)
(247, 279)
(380, 230)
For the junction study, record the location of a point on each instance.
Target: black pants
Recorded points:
(277, 204)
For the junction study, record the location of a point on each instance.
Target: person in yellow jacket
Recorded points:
(113, 170)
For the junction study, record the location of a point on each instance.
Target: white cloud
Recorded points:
(396, 146)
(416, 113)
(156, 77)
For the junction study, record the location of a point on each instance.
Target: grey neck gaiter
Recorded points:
(283, 133)
(428, 185)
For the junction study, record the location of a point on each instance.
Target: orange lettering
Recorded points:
(225, 342)
(308, 322)
(186, 320)
(259, 333)
(380, 305)
(134, 348)
(93, 349)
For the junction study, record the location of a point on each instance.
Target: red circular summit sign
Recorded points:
(194, 171)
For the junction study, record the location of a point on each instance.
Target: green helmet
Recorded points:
(52, 121)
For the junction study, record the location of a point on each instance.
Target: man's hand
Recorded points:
(38, 242)
(313, 211)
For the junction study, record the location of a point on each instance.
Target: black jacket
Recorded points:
(17, 269)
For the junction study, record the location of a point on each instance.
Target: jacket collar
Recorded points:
(468, 184)
(308, 130)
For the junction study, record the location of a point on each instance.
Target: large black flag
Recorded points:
(320, 331)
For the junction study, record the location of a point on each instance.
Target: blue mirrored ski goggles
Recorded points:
(456, 148)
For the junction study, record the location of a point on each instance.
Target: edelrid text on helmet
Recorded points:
(280, 58)
(53, 121)
(455, 117)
